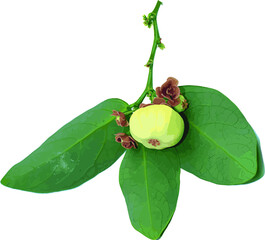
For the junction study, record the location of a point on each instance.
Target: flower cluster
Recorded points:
(125, 140)
(120, 118)
(170, 91)
(169, 94)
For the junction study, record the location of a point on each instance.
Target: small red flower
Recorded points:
(126, 141)
(169, 90)
(120, 118)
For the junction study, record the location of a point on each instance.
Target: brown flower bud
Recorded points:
(120, 118)
(126, 141)
(169, 90)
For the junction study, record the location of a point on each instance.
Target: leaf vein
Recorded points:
(217, 145)
(146, 186)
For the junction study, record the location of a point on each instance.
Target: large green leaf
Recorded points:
(220, 146)
(74, 154)
(149, 180)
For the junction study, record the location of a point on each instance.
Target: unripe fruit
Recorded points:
(156, 126)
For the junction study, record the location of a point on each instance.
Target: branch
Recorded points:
(151, 20)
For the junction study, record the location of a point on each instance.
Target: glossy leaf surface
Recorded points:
(149, 180)
(74, 154)
(220, 146)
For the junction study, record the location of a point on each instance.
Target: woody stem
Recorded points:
(149, 90)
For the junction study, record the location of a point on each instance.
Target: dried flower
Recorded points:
(169, 90)
(126, 141)
(120, 118)
(154, 142)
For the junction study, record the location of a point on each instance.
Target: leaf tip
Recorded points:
(4, 181)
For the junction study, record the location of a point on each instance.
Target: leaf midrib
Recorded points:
(74, 184)
(80, 140)
(83, 138)
(96, 158)
(217, 145)
(146, 186)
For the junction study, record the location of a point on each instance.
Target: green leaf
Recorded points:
(220, 146)
(74, 154)
(149, 180)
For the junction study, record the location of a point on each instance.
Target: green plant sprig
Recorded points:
(219, 146)
(150, 20)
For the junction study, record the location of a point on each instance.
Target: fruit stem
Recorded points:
(149, 91)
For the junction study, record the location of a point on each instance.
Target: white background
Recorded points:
(60, 58)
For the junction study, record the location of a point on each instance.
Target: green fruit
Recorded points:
(156, 126)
